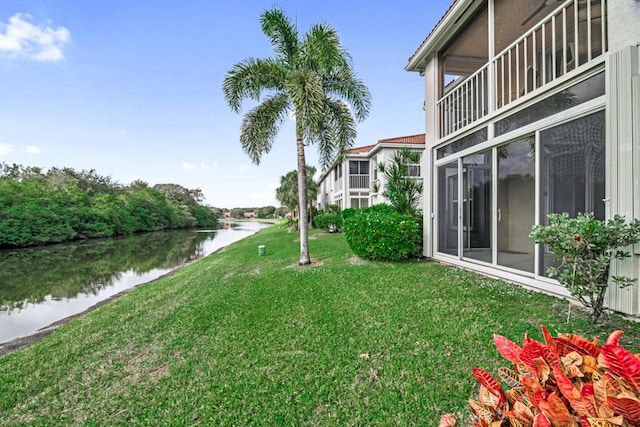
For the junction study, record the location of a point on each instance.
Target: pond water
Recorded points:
(39, 286)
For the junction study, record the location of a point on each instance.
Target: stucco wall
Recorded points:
(624, 27)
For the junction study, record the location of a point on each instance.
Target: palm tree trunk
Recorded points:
(302, 197)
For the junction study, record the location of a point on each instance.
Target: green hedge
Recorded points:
(329, 222)
(37, 213)
(380, 233)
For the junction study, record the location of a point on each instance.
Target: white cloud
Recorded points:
(41, 43)
(200, 166)
(213, 166)
(6, 148)
(32, 149)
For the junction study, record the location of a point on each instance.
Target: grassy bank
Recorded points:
(240, 339)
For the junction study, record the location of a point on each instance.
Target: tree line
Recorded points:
(40, 206)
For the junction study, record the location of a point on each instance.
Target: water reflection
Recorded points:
(39, 286)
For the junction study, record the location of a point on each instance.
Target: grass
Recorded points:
(241, 339)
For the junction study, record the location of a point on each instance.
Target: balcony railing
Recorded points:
(464, 104)
(358, 181)
(571, 36)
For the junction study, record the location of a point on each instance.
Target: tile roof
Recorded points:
(360, 150)
(411, 139)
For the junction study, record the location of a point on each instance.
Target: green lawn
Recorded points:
(240, 339)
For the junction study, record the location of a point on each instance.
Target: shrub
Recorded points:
(383, 235)
(403, 191)
(348, 213)
(585, 246)
(566, 381)
(329, 222)
(332, 209)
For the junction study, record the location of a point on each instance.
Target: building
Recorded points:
(356, 181)
(531, 108)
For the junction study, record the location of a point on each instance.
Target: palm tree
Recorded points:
(312, 80)
(288, 194)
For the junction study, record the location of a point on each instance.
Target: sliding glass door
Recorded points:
(516, 204)
(448, 199)
(476, 239)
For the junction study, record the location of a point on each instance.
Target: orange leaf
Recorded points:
(447, 420)
(566, 387)
(491, 384)
(581, 401)
(627, 407)
(568, 342)
(482, 411)
(507, 348)
(614, 338)
(532, 386)
(510, 377)
(541, 421)
(556, 411)
(622, 362)
(548, 339)
(602, 422)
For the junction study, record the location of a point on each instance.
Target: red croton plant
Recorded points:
(568, 381)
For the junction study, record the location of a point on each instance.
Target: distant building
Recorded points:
(249, 214)
(356, 182)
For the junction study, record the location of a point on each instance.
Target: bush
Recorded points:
(348, 213)
(585, 246)
(329, 222)
(565, 381)
(382, 234)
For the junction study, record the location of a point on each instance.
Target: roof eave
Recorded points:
(443, 30)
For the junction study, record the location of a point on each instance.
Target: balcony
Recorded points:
(569, 37)
(359, 181)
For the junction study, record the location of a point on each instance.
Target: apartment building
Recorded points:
(531, 108)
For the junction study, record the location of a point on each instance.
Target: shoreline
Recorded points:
(19, 343)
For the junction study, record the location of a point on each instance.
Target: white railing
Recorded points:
(572, 35)
(358, 181)
(465, 103)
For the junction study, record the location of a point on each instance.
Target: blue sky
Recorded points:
(132, 89)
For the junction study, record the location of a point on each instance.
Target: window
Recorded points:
(359, 174)
(359, 167)
(359, 202)
(584, 91)
(572, 166)
(413, 169)
(374, 168)
(337, 172)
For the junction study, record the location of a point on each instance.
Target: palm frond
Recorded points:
(260, 126)
(322, 50)
(307, 96)
(344, 84)
(337, 132)
(282, 33)
(249, 78)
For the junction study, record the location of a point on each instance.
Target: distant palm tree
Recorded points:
(288, 195)
(310, 79)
